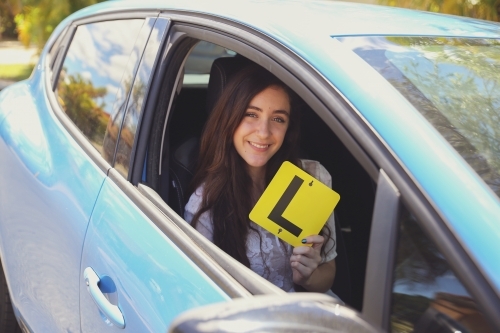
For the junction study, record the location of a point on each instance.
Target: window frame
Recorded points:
(381, 253)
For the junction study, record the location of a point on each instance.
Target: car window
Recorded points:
(453, 83)
(91, 74)
(199, 63)
(426, 295)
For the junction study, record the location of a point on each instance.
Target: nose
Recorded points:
(263, 129)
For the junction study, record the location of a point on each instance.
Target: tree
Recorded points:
(8, 9)
(481, 9)
(36, 19)
(463, 104)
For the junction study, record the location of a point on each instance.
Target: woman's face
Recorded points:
(262, 131)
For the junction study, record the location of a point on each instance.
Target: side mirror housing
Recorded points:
(295, 312)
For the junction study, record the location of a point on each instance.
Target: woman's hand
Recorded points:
(306, 267)
(305, 259)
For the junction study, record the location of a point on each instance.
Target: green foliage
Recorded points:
(481, 9)
(15, 72)
(36, 19)
(463, 105)
(407, 310)
(7, 25)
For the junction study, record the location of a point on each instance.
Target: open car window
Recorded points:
(173, 145)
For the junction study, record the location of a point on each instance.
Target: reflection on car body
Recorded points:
(99, 145)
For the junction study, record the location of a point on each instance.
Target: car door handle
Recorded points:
(112, 312)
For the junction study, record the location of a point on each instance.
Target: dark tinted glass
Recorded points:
(91, 74)
(454, 83)
(427, 297)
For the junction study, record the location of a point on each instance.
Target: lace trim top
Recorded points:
(269, 257)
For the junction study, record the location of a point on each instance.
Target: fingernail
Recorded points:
(304, 241)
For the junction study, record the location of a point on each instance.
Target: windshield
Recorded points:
(454, 83)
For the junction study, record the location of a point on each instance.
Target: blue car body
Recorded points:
(61, 211)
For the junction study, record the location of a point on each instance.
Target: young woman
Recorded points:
(251, 131)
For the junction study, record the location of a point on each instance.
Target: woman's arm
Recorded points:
(307, 269)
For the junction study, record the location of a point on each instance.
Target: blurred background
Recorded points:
(25, 25)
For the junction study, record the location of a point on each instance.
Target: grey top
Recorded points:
(271, 259)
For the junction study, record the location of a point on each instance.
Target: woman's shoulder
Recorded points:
(317, 170)
(194, 201)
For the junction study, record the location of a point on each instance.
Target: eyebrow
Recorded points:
(275, 111)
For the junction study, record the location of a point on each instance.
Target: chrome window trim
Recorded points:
(116, 15)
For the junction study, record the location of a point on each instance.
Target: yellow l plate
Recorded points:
(294, 205)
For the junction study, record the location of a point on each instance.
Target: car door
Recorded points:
(49, 187)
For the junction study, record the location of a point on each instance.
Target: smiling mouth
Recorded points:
(260, 146)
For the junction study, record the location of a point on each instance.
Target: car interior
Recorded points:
(173, 150)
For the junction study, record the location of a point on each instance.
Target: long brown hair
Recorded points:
(227, 185)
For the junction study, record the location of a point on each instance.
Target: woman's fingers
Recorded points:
(308, 261)
(305, 259)
(301, 273)
(316, 241)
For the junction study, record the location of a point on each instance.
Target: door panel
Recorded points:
(149, 278)
(49, 187)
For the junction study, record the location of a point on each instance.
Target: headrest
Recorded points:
(223, 69)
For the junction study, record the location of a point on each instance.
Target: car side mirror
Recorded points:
(295, 312)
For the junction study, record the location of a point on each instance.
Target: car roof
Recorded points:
(333, 18)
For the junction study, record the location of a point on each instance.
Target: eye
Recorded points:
(279, 120)
(251, 114)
